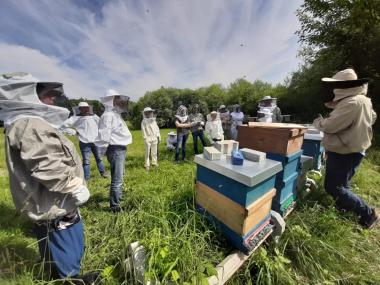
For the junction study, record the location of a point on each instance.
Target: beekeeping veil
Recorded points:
(114, 101)
(20, 97)
(213, 113)
(77, 109)
(148, 114)
(181, 114)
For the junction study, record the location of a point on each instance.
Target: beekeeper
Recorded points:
(151, 136)
(183, 124)
(171, 141)
(84, 124)
(112, 140)
(225, 117)
(237, 117)
(214, 129)
(347, 136)
(45, 173)
(269, 111)
(197, 130)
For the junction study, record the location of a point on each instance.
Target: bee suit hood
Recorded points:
(19, 99)
(108, 101)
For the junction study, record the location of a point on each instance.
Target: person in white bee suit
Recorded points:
(151, 136)
(268, 111)
(237, 117)
(171, 141)
(214, 129)
(84, 123)
(225, 117)
(112, 140)
(45, 173)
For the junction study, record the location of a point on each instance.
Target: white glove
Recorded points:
(202, 124)
(81, 195)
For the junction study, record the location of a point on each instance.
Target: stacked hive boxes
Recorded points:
(281, 142)
(237, 199)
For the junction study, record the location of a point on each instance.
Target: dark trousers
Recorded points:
(181, 143)
(196, 134)
(62, 250)
(340, 168)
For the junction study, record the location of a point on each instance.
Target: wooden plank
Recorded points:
(241, 220)
(227, 268)
(224, 209)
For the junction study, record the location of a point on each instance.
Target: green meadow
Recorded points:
(319, 246)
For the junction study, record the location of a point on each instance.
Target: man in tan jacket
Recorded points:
(45, 171)
(347, 135)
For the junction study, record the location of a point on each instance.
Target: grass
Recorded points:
(320, 245)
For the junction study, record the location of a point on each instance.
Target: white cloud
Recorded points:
(136, 46)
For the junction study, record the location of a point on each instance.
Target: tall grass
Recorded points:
(320, 245)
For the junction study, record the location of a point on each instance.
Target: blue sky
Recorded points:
(135, 45)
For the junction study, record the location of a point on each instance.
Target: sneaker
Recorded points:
(371, 222)
(105, 175)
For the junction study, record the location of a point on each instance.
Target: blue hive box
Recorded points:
(290, 164)
(242, 184)
(283, 206)
(312, 147)
(286, 188)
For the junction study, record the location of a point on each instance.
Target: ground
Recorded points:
(320, 245)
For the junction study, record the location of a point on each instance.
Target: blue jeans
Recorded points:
(62, 250)
(196, 134)
(86, 149)
(340, 168)
(181, 143)
(116, 158)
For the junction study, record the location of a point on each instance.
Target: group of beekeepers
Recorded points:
(48, 178)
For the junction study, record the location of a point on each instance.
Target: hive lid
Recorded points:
(250, 173)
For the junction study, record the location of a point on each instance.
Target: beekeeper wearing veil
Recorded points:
(269, 111)
(45, 171)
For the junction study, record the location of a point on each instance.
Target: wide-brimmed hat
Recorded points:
(83, 104)
(344, 79)
(148, 109)
(172, 134)
(266, 98)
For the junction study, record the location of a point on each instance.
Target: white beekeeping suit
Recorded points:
(269, 111)
(112, 128)
(151, 136)
(214, 129)
(171, 141)
(237, 118)
(86, 127)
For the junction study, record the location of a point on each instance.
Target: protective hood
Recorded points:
(19, 99)
(209, 119)
(77, 112)
(146, 112)
(268, 102)
(108, 101)
(181, 114)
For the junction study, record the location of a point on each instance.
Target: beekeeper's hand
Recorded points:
(81, 195)
(202, 124)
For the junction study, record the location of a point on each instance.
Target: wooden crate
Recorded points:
(238, 218)
(276, 138)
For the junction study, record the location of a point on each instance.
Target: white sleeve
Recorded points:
(68, 126)
(105, 130)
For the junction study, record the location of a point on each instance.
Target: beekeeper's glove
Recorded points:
(81, 195)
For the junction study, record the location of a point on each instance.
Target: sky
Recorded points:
(135, 46)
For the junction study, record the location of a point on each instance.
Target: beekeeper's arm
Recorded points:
(220, 130)
(50, 160)
(143, 130)
(105, 131)
(278, 115)
(208, 132)
(68, 126)
(339, 119)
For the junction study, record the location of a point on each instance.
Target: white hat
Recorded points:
(112, 92)
(148, 109)
(344, 79)
(213, 112)
(172, 134)
(83, 104)
(222, 107)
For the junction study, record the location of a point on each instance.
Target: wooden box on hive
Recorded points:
(238, 199)
(275, 138)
